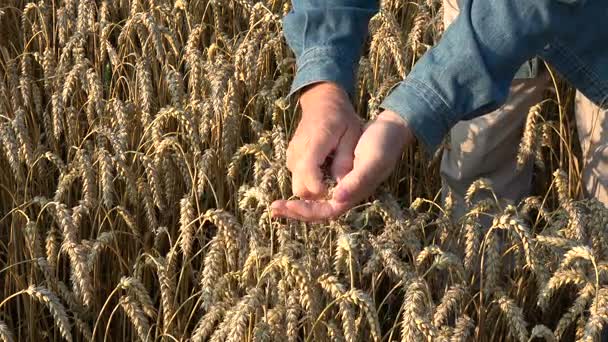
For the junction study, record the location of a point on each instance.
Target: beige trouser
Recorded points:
(486, 147)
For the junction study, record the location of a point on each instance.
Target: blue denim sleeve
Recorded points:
(327, 37)
(468, 73)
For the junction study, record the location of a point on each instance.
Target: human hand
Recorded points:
(329, 125)
(375, 156)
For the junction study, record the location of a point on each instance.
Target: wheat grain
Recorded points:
(561, 185)
(557, 281)
(211, 272)
(238, 321)
(205, 325)
(453, 296)
(476, 186)
(148, 203)
(529, 139)
(337, 291)
(599, 316)
(415, 326)
(514, 315)
(167, 292)
(145, 92)
(137, 288)
(541, 331)
(462, 330)
(88, 179)
(228, 228)
(51, 301)
(106, 172)
(292, 317)
(492, 262)
(5, 334)
(11, 151)
(152, 173)
(137, 317)
(21, 132)
(577, 252)
(585, 295)
(187, 226)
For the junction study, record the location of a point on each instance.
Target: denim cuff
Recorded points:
(324, 64)
(423, 109)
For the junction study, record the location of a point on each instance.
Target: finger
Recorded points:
(312, 178)
(297, 183)
(279, 210)
(291, 153)
(319, 148)
(345, 154)
(302, 172)
(298, 187)
(309, 211)
(360, 183)
(308, 166)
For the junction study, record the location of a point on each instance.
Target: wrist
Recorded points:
(313, 92)
(400, 123)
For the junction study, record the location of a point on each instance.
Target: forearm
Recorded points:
(470, 70)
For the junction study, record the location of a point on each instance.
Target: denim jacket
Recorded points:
(469, 71)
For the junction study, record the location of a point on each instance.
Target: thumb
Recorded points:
(312, 176)
(360, 183)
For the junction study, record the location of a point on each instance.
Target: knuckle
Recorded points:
(301, 167)
(356, 184)
(290, 165)
(293, 163)
(290, 152)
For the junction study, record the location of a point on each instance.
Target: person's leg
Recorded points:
(486, 147)
(593, 134)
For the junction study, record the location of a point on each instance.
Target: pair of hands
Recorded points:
(362, 157)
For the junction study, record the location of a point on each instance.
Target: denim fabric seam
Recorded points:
(440, 104)
(320, 53)
(312, 60)
(433, 101)
(596, 86)
(418, 134)
(594, 77)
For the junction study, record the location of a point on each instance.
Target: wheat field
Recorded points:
(142, 142)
